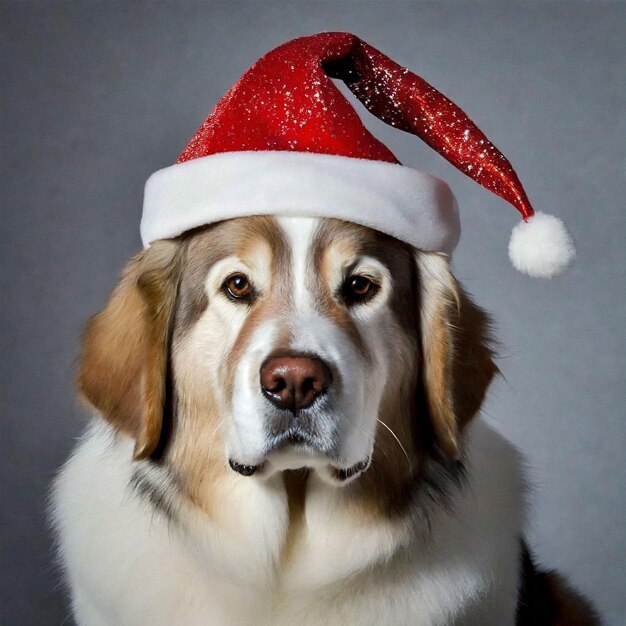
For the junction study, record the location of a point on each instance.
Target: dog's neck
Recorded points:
(293, 528)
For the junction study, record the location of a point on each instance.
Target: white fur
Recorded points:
(405, 203)
(126, 565)
(541, 247)
(299, 233)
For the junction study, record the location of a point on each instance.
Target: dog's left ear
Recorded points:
(457, 358)
(125, 353)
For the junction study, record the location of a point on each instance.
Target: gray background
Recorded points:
(96, 96)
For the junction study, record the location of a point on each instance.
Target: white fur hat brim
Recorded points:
(409, 205)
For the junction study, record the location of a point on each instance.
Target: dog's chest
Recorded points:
(262, 565)
(336, 572)
(129, 565)
(339, 571)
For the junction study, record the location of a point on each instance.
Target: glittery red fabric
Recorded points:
(287, 101)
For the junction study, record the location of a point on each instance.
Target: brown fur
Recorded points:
(342, 239)
(295, 486)
(457, 354)
(209, 244)
(125, 347)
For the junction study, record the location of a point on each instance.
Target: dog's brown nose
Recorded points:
(294, 382)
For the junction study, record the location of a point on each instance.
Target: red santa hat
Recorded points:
(285, 141)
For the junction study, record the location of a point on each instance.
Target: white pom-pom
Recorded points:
(541, 247)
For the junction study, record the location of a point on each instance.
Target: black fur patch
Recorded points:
(545, 599)
(156, 486)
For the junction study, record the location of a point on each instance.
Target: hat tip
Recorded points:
(541, 247)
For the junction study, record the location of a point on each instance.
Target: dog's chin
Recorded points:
(296, 454)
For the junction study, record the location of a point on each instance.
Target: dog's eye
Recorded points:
(357, 289)
(238, 287)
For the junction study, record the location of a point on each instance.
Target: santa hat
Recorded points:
(285, 141)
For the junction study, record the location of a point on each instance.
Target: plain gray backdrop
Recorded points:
(97, 96)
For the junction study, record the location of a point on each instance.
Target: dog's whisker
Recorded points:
(408, 460)
(376, 447)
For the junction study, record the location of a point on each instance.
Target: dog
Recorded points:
(286, 431)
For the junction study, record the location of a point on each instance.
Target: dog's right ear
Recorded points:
(125, 347)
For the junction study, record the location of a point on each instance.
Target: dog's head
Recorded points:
(267, 344)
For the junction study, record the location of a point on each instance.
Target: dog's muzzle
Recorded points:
(299, 387)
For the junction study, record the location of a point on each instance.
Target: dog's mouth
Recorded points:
(339, 474)
(300, 447)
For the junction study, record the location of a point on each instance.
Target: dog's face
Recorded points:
(281, 343)
(295, 329)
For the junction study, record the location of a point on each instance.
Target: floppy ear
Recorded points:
(125, 347)
(457, 365)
